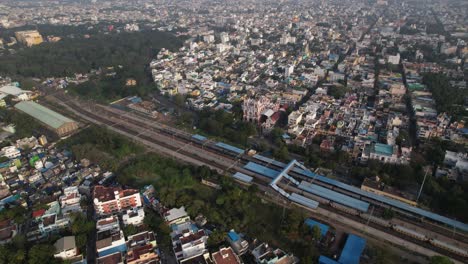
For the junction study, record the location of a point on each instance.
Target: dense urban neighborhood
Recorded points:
(224, 132)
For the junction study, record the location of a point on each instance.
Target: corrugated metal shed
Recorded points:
(389, 201)
(303, 200)
(334, 196)
(43, 114)
(311, 223)
(230, 148)
(242, 177)
(379, 198)
(352, 250)
(251, 166)
(268, 160)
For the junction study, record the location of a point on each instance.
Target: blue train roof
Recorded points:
(379, 198)
(242, 177)
(352, 250)
(251, 166)
(199, 137)
(229, 147)
(303, 200)
(323, 227)
(389, 201)
(334, 196)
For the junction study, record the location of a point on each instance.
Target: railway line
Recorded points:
(184, 146)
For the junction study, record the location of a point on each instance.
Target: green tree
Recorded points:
(216, 238)
(41, 253)
(130, 230)
(440, 260)
(316, 232)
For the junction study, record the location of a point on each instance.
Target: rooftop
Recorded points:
(225, 256)
(43, 114)
(65, 243)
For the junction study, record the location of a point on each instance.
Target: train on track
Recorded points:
(299, 196)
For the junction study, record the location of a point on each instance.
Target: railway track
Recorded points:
(177, 141)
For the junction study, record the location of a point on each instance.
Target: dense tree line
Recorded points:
(104, 88)
(448, 98)
(20, 252)
(101, 146)
(231, 207)
(227, 125)
(80, 54)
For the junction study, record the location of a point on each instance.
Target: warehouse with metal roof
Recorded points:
(58, 123)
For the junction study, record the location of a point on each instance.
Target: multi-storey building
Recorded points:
(109, 200)
(141, 248)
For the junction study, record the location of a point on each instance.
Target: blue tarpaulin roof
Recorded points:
(233, 236)
(311, 223)
(352, 250)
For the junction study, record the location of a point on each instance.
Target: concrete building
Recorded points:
(109, 200)
(108, 242)
(225, 256)
(29, 37)
(65, 248)
(56, 122)
(176, 216)
(134, 216)
(141, 248)
(264, 254)
(190, 244)
(254, 108)
(238, 244)
(10, 152)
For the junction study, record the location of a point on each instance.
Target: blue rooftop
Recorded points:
(297, 198)
(383, 149)
(352, 250)
(334, 196)
(376, 197)
(242, 177)
(233, 236)
(327, 260)
(230, 148)
(311, 223)
(251, 166)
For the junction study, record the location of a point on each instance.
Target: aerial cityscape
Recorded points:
(231, 132)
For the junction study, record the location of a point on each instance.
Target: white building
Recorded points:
(18, 93)
(108, 200)
(134, 217)
(208, 38)
(288, 71)
(176, 216)
(190, 245)
(395, 60)
(10, 152)
(65, 248)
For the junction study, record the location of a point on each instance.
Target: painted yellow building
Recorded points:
(29, 37)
